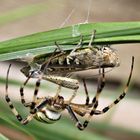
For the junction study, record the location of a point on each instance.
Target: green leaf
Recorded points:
(61, 130)
(68, 37)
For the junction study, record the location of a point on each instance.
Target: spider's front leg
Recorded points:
(33, 103)
(13, 109)
(39, 74)
(33, 107)
(22, 91)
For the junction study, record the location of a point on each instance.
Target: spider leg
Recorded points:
(45, 65)
(34, 111)
(33, 103)
(73, 96)
(22, 91)
(78, 124)
(95, 101)
(65, 82)
(57, 92)
(101, 83)
(13, 109)
(38, 107)
(74, 118)
(104, 110)
(86, 92)
(42, 69)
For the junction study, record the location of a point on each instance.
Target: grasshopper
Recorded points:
(79, 59)
(54, 68)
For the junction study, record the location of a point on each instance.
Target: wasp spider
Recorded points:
(48, 109)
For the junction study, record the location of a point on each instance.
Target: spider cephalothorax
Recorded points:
(52, 111)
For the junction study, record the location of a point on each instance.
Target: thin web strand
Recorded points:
(68, 17)
(89, 9)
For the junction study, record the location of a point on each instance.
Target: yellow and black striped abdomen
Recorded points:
(47, 116)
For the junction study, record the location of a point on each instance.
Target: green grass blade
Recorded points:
(44, 42)
(40, 131)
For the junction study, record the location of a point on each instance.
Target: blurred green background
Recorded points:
(20, 18)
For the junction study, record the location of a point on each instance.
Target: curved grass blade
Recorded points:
(40, 131)
(10, 123)
(68, 37)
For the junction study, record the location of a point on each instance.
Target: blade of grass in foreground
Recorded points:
(44, 42)
(40, 131)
